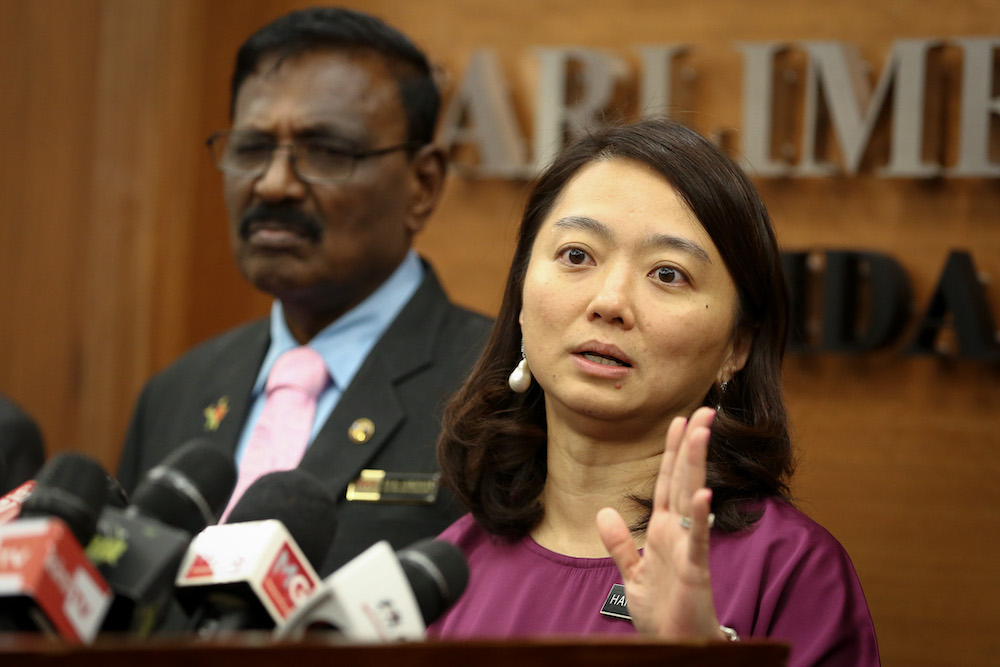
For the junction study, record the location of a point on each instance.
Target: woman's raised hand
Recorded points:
(668, 586)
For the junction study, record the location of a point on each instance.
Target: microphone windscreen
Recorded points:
(71, 487)
(438, 573)
(21, 446)
(300, 502)
(188, 489)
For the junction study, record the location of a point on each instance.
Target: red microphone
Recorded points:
(43, 568)
(47, 583)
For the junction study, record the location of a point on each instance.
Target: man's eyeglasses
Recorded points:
(313, 160)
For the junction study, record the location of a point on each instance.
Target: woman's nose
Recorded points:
(612, 301)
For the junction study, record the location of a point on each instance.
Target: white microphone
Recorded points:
(382, 596)
(251, 573)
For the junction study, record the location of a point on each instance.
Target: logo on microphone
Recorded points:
(10, 504)
(200, 568)
(288, 583)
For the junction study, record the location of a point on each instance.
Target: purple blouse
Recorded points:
(787, 579)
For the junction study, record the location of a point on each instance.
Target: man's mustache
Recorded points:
(294, 218)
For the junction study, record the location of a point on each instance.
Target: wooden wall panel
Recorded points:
(49, 73)
(96, 183)
(114, 256)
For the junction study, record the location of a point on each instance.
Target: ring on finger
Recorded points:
(686, 521)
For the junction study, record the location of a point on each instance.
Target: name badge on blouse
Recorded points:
(616, 605)
(379, 486)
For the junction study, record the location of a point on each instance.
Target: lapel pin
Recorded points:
(214, 414)
(361, 430)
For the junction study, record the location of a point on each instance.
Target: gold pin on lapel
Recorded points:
(214, 414)
(361, 430)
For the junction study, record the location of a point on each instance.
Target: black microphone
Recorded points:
(438, 574)
(70, 487)
(189, 489)
(49, 583)
(21, 446)
(12, 501)
(139, 549)
(114, 493)
(251, 572)
(383, 596)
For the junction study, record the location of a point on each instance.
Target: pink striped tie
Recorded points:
(281, 434)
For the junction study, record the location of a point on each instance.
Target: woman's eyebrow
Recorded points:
(680, 243)
(607, 233)
(588, 224)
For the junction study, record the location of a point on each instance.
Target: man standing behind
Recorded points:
(329, 173)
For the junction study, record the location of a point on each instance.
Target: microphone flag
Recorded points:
(42, 567)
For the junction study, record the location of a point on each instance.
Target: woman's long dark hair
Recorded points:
(492, 448)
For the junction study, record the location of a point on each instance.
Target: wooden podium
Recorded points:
(251, 650)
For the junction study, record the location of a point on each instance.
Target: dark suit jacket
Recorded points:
(424, 356)
(21, 447)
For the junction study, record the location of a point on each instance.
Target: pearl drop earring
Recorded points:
(520, 378)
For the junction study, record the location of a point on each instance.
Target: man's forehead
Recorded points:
(352, 65)
(331, 91)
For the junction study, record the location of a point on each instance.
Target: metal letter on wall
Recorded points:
(907, 67)
(656, 85)
(866, 301)
(840, 73)
(556, 117)
(959, 299)
(978, 107)
(795, 265)
(480, 113)
(758, 108)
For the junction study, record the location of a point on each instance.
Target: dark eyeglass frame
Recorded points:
(221, 138)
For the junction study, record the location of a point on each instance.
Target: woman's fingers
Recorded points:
(661, 493)
(701, 504)
(617, 540)
(689, 464)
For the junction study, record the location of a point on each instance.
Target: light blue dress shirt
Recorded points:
(344, 344)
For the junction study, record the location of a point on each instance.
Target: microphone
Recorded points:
(251, 572)
(12, 501)
(381, 596)
(46, 581)
(139, 549)
(21, 446)
(114, 493)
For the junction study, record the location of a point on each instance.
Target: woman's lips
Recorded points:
(599, 351)
(602, 360)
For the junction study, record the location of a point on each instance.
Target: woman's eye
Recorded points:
(669, 276)
(575, 256)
